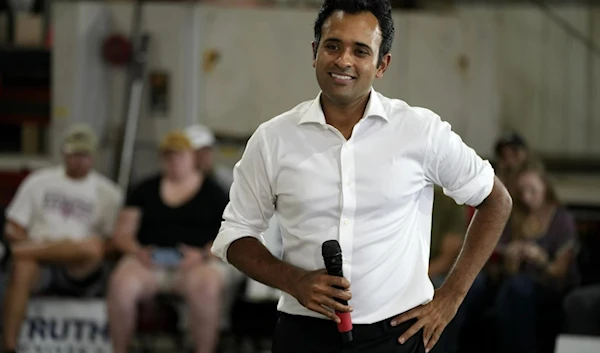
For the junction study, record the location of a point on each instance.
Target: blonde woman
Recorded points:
(165, 232)
(538, 247)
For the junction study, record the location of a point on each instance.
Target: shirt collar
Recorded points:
(314, 114)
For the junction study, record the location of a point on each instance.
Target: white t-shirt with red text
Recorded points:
(51, 206)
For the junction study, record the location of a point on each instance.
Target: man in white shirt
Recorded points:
(56, 227)
(360, 168)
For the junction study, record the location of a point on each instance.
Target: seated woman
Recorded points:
(165, 231)
(538, 247)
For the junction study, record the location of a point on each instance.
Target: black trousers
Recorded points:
(301, 334)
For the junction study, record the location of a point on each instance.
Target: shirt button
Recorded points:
(346, 221)
(348, 183)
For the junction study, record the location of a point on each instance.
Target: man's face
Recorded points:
(205, 159)
(511, 157)
(78, 165)
(347, 56)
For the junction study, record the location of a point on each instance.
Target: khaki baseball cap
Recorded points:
(80, 138)
(175, 141)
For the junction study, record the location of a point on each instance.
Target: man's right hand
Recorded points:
(315, 291)
(144, 254)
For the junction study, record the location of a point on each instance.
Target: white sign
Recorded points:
(579, 344)
(65, 326)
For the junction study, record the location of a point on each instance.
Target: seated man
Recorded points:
(56, 226)
(511, 151)
(165, 232)
(203, 141)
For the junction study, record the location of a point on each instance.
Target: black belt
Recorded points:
(360, 332)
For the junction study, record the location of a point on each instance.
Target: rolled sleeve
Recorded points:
(456, 167)
(251, 203)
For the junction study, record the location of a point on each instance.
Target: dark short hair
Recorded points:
(510, 139)
(381, 9)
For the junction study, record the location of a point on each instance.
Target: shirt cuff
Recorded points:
(226, 236)
(476, 190)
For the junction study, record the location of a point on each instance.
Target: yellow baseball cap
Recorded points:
(80, 138)
(175, 141)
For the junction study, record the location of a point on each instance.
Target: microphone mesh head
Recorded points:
(331, 248)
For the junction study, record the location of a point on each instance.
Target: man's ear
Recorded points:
(385, 63)
(314, 50)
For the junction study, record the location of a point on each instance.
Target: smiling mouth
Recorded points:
(341, 77)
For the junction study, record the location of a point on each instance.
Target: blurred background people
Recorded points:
(510, 151)
(203, 142)
(165, 232)
(57, 226)
(449, 225)
(539, 247)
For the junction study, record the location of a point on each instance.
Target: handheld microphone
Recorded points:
(332, 256)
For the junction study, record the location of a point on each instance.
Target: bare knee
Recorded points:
(126, 284)
(203, 283)
(24, 273)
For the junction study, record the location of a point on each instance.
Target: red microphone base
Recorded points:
(345, 326)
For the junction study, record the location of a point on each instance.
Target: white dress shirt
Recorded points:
(373, 193)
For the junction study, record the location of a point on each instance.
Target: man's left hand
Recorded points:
(431, 317)
(192, 257)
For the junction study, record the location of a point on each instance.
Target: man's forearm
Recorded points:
(251, 257)
(481, 239)
(62, 251)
